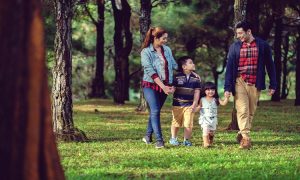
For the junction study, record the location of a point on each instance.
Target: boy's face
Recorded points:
(189, 65)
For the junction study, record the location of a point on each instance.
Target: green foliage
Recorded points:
(117, 152)
(197, 28)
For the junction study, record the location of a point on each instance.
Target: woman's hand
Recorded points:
(197, 75)
(167, 90)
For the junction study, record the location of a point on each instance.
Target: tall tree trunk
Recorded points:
(253, 15)
(191, 47)
(297, 87)
(278, 8)
(240, 7)
(284, 90)
(216, 77)
(122, 14)
(62, 76)
(98, 86)
(145, 21)
(27, 144)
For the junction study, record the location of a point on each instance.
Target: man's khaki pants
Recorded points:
(246, 98)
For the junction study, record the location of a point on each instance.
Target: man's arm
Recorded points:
(270, 66)
(229, 70)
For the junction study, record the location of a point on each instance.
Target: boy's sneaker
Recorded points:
(160, 144)
(174, 142)
(147, 139)
(187, 143)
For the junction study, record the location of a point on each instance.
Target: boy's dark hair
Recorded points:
(181, 61)
(243, 24)
(210, 85)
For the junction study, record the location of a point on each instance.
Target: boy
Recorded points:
(185, 100)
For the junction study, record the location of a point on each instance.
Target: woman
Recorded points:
(158, 65)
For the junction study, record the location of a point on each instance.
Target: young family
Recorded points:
(244, 79)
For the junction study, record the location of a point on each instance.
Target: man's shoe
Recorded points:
(239, 137)
(187, 143)
(245, 143)
(147, 139)
(160, 144)
(174, 142)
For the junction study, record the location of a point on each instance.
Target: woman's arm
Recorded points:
(147, 64)
(174, 64)
(167, 89)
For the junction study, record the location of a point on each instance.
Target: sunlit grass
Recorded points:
(115, 149)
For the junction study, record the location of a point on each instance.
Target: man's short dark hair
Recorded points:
(243, 24)
(181, 61)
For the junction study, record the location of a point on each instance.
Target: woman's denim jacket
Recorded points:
(151, 63)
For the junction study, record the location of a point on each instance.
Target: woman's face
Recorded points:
(162, 40)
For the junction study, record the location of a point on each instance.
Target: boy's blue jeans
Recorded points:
(155, 101)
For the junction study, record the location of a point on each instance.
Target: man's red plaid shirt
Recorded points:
(248, 62)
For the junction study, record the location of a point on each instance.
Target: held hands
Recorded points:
(168, 90)
(227, 94)
(271, 92)
(192, 108)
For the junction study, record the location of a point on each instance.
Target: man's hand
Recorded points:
(271, 92)
(227, 94)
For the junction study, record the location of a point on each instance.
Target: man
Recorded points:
(245, 77)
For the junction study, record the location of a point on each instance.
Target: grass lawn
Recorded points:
(115, 149)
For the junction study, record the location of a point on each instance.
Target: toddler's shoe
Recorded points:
(210, 138)
(174, 142)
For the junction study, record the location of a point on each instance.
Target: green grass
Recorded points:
(115, 149)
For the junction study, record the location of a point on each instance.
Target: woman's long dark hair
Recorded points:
(210, 85)
(153, 32)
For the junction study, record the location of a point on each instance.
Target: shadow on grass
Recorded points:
(205, 173)
(264, 143)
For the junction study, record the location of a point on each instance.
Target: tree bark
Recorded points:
(253, 15)
(145, 21)
(278, 8)
(62, 76)
(98, 86)
(240, 7)
(27, 144)
(284, 90)
(297, 87)
(122, 14)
